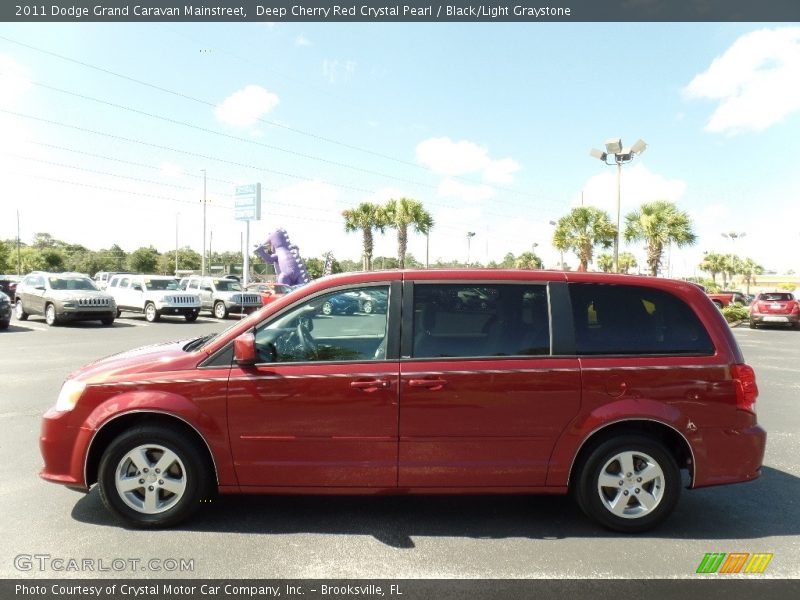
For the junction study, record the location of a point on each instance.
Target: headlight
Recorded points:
(69, 395)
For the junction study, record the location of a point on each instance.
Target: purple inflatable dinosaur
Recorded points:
(278, 250)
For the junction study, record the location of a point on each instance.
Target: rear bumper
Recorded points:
(725, 455)
(777, 319)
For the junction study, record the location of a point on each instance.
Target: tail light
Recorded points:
(795, 307)
(744, 380)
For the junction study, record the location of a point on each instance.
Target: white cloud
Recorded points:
(301, 41)
(755, 81)
(336, 71)
(244, 107)
(638, 185)
(450, 188)
(446, 157)
(14, 80)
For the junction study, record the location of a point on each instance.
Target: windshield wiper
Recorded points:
(197, 342)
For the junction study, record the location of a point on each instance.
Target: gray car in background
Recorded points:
(61, 297)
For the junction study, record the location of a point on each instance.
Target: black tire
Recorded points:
(190, 317)
(107, 321)
(753, 324)
(190, 468)
(151, 313)
(4, 324)
(119, 313)
(597, 501)
(50, 315)
(220, 310)
(20, 311)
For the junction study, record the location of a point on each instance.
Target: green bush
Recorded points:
(735, 312)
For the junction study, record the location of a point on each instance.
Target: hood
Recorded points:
(65, 294)
(157, 358)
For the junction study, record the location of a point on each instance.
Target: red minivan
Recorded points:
(606, 386)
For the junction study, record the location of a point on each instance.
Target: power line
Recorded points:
(260, 119)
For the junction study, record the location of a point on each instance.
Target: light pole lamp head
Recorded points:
(614, 145)
(638, 147)
(470, 234)
(598, 154)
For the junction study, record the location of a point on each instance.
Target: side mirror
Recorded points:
(244, 350)
(137, 287)
(39, 287)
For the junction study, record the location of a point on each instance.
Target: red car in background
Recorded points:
(775, 308)
(269, 291)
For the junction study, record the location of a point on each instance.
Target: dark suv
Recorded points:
(61, 297)
(605, 386)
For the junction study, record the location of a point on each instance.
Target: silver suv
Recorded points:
(63, 297)
(154, 296)
(222, 296)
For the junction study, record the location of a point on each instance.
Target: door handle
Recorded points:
(432, 384)
(370, 386)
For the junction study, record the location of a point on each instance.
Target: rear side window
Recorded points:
(469, 320)
(627, 319)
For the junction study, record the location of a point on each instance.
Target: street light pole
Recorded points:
(619, 156)
(203, 261)
(470, 235)
(176, 243)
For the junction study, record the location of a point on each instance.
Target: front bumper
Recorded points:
(171, 309)
(63, 449)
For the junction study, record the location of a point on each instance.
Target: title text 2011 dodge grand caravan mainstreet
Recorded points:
(605, 386)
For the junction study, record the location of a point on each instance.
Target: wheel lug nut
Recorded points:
(639, 479)
(629, 475)
(625, 492)
(141, 481)
(637, 490)
(161, 482)
(145, 470)
(621, 482)
(159, 471)
(151, 488)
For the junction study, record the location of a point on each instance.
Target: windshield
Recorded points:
(71, 283)
(777, 297)
(161, 284)
(227, 285)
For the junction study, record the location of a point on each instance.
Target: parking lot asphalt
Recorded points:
(375, 537)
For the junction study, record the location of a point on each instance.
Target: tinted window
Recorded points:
(161, 284)
(71, 283)
(776, 297)
(227, 285)
(623, 319)
(114, 282)
(462, 320)
(326, 328)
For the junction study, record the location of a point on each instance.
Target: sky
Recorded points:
(105, 130)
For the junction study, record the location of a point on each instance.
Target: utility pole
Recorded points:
(176, 243)
(19, 261)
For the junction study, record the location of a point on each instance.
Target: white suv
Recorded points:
(153, 295)
(221, 295)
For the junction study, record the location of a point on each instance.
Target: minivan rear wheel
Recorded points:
(629, 483)
(153, 476)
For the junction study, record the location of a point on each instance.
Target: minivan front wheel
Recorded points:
(629, 483)
(153, 476)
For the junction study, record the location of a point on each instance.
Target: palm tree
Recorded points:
(749, 270)
(365, 218)
(731, 266)
(713, 264)
(528, 260)
(659, 224)
(581, 230)
(627, 261)
(605, 262)
(400, 214)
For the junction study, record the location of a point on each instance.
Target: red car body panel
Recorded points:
(416, 425)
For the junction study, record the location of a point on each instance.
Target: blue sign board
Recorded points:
(247, 203)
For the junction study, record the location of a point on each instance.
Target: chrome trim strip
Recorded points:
(150, 411)
(656, 367)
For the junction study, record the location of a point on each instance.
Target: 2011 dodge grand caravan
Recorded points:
(606, 386)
